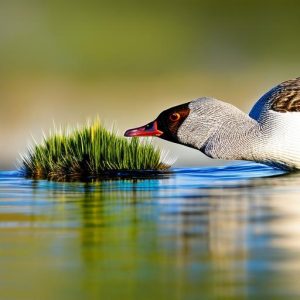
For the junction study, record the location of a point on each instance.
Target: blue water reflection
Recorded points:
(202, 233)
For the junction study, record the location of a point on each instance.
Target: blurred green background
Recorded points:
(128, 60)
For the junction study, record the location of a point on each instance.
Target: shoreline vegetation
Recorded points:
(91, 153)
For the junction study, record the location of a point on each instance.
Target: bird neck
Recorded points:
(238, 139)
(223, 132)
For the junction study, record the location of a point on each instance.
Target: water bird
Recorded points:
(270, 134)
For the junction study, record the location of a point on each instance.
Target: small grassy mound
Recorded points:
(89, 153)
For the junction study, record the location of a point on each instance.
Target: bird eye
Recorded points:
(174, 117)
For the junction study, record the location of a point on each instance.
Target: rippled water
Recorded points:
(227, 233)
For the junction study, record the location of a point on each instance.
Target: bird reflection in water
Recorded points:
(227, 232)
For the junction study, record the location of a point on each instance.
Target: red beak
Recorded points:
(147, 130)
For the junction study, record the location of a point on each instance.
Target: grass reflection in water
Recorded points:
(225, 233)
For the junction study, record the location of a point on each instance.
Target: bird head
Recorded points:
(165, 126)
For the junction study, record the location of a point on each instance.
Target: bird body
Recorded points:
(270, 134)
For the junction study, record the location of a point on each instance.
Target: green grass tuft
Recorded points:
(91, 152)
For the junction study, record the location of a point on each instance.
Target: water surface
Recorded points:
(228, 232)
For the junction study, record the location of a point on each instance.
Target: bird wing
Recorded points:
(283, 98)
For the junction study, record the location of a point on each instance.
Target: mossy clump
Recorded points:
(90, 152)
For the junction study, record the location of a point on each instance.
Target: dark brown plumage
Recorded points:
(170, 120)
(286, 96)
